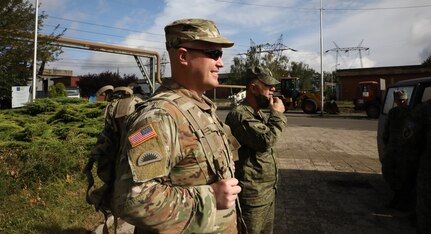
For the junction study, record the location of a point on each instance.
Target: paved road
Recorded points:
(330, 182)
(330, 179)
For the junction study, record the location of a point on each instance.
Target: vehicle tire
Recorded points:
(373, 111)
(309, 106)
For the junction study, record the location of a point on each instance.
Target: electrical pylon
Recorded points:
(278, 47)
(337, 49)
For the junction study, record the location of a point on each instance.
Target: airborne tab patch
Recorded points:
(143, 134)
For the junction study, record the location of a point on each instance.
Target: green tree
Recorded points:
(427, 62)
(237, 70)
(309, 78)
(57, 90)
(16, 46)
(90, 83)
(239, 66)
(274, 61)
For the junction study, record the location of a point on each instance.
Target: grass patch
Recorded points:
(43, 148)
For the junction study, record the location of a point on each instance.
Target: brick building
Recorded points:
(349, 78)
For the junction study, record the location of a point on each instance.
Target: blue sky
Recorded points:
(397, 32)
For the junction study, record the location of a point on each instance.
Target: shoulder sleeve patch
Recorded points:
(143, 134)
(148, 157)
(259, 126)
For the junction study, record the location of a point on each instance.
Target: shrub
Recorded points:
(40, 106)
(65, 115)
(57, 90)
(41, 162)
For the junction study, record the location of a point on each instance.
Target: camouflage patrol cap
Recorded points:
(186, 30)
(262, 74)
(400, 95)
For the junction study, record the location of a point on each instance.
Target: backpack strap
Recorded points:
(201, 129)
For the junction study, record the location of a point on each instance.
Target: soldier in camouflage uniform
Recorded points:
(418, 132)
(257, 132)
(397, 168)
(175, 171)
(122, 102)
(106, 91)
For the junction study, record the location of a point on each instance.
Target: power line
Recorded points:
(377, 8)
(98, 33)
(329, 9)
(265, 5)
(106, 26)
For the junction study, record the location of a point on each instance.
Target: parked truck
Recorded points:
(369, 98)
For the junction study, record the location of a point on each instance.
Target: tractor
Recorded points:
(293, 97)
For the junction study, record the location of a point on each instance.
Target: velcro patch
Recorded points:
(143, 134)
(148, 157)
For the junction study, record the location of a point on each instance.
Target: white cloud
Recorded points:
(394, 36)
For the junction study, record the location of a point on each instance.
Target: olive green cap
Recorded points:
(187, 30)
(262, 74)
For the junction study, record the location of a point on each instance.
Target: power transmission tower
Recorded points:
(277, 48)
(338, 49)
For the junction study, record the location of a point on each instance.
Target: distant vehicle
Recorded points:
(237, 98)
(292, 97)
(418, 90)
(368, 98)
(73, 92)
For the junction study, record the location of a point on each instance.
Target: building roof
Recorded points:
(395, 70)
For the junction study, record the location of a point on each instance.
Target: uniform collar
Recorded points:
(203, 103)
(258, 113)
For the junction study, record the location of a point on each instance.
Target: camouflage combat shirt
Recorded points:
(163, 175)
(257, 168)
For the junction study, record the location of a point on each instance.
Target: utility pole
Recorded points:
(321, 59)
(36, 21)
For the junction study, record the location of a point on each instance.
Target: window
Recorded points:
(427, 94)
(389, 101)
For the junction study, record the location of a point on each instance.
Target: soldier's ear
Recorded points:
(182, 55)
(254, 88)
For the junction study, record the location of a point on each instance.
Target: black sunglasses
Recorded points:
(214, 54)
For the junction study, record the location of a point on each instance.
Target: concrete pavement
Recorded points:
(330, 182)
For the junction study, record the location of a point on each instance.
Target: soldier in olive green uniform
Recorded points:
(397, 168)
(175, 171)
(418, 132)
(257, 132)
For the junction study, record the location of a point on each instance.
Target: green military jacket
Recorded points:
(394, 125)
(257, 168)
(163, 174)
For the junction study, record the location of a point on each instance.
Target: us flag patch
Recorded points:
(142, 135)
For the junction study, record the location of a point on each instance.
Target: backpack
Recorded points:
(103, 154)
